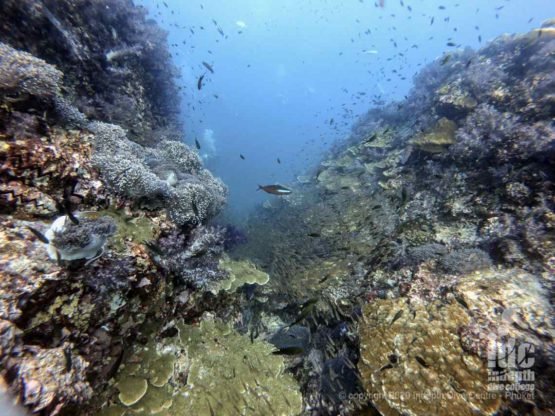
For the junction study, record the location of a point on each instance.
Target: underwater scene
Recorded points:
(277, 207)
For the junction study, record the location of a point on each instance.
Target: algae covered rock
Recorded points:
(413, 363)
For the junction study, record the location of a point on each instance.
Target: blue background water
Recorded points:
(297, 64)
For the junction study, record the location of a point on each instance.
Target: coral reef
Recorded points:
(116, 63)
(438, 208)
(169, 175)
(205, 370)
(22, 73)
(92, 174)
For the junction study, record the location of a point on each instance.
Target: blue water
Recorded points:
(297, 64)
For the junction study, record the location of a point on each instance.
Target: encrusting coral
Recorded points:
(413, 363)
(224, 373)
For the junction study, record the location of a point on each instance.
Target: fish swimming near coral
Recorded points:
(275, 189)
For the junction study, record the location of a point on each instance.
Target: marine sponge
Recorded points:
(169, 175)
(21, 72)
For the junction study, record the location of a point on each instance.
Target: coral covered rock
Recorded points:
(169, 175)
(225, 373)
(437, 140)
(241, 273)
(22, 73)
(413, 363)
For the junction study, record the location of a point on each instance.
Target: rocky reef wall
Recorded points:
(426, 239)
(115, 62)
(103, 208)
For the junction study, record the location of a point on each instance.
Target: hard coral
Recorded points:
(193, 258)
(22, 73)
(226, 373)
(412, 361)
(169, 175)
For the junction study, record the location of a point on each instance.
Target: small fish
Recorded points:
(275, 189)
(279, 161)
(289, 351)
(241, 156)
(212, 413)
(468, 63)
(195, 208)
(396, 317)
(421, 361)
(197, 144)
(445, 59)
(39, 235)
(70, 215)
(371, 138)
(69, 361)
(323, 279)
(154, 247)
(451, 44)
(314, 234)
(306, 309)
(199, 83)
(208, 66)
